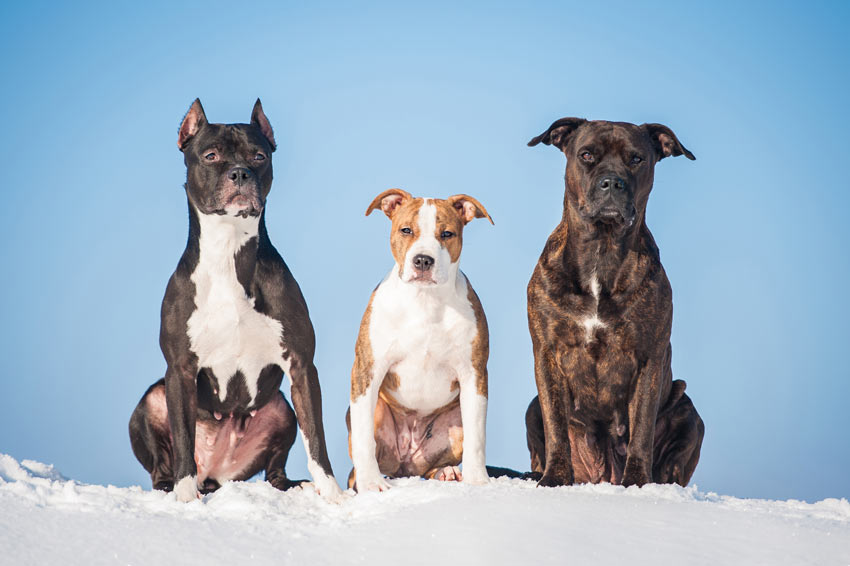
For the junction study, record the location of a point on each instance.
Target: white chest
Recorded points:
(423, 336)
(225, 332)
(591, 321)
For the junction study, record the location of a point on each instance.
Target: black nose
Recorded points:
(423, 262)
(239, 175)
(610, 182)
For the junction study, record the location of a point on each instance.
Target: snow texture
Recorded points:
(48, 519)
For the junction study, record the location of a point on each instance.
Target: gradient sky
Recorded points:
(438, 100)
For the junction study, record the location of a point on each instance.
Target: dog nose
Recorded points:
(423, 262)
(239, 175)
(610, 182)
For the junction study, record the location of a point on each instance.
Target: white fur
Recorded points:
(226, 333)
(368, 476)
(592, 322)
(325, 485)
(186, 489)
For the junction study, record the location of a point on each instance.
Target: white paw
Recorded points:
(449, 473)
(475, 476)
(327, 487)
(371, 483)
(187, 489)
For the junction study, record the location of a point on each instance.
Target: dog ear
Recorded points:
(389, 201)
(192, 123)
(558, 134)
(468, 208)
(258, 118)
(665, 142)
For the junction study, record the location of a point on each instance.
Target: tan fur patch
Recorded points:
(481, 342)
(456, 442)
(406, 216)
(448, 220)
(361, 372)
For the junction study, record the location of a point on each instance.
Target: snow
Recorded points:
(48, 519)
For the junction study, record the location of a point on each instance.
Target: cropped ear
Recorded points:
(258, 118)
(192, 123)
(665, 142)
(468, 208)
(558, 134)
(389, 201)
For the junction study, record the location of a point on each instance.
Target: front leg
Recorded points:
(307, 401)
(362, 412)
(643, 409)
(555, 401)
(181, 399)
(473, 412)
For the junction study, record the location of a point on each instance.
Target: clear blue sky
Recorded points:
(437, 100)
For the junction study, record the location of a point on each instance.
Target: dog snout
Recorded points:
(609, 182)
(423, 262)
(239, 175)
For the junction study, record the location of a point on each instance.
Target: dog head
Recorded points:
(229, 166)
(610, 167)
(427, 234)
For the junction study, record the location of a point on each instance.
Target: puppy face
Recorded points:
(427, 234)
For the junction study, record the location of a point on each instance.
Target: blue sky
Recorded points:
(438, 100)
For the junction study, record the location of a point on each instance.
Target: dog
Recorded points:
(600, 311)
(419, 380)
(233, 321)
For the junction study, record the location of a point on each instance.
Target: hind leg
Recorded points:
(679, 431)
(150, 437)
(283, 430)
(535, 438)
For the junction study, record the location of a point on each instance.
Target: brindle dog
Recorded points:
(600, 311)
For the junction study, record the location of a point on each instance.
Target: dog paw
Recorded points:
(376, 483)
(329, 489)
(449, 473)
(635, 474)
(553, 480)
(187, 489)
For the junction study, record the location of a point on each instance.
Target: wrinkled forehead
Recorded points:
(438, 211)
(408, 212)
(611, 136)
(230, 136)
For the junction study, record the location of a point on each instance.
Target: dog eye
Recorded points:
(406, 231)
(636, 159)
(211, 156)
(586, 156)
(446, 234)
(259, 157)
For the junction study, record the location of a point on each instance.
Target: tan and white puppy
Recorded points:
(419, 381)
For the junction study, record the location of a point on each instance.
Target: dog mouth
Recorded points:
(241, 204)
(611, 216)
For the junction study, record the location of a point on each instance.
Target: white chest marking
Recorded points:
(225, 332)
(424, 336)
(592, 322)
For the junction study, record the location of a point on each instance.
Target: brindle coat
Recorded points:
(600, 311)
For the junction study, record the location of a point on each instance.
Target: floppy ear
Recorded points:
(389, 201)
(258, 118)
(665, 142)
(468, 208)
(558, 133)
(192, 123)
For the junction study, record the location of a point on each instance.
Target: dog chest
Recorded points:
(425, 339)
(226, 332)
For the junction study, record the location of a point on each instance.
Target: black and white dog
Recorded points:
(233, 322)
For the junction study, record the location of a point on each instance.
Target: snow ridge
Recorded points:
(48, 519)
